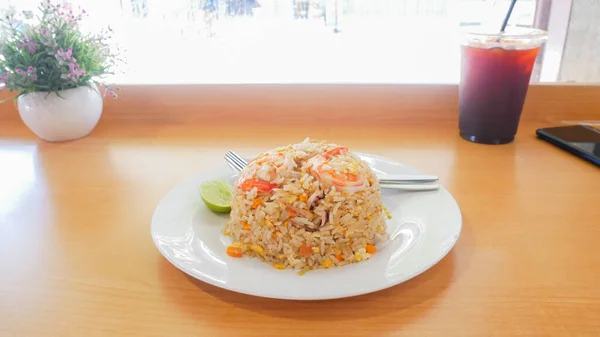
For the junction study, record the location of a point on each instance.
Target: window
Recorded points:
(297, 41)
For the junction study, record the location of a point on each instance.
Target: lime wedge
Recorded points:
(216, 195)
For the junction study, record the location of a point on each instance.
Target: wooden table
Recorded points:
(77, 259)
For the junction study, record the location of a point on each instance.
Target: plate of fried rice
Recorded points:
(308, 221)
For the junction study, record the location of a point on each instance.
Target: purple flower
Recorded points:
(74, 73)
(30, 74)
(67, 14)
(31, 71)
(29, 44)
(65, 57)
(46, 40)
(109, 93)
(4, 78)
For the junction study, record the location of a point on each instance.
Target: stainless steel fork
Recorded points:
(407, 182)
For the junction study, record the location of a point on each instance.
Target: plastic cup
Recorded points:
(495, 74)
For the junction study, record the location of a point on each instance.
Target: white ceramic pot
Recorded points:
(70, 115)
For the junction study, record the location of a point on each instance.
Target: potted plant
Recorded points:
(57, 70)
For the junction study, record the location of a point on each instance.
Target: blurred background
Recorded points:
(330, 41)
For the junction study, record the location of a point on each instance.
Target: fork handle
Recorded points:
(396, 178)
(411, 187)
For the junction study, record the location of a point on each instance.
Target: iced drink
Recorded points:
(495, 75)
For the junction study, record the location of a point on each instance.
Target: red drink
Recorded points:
(496, 70)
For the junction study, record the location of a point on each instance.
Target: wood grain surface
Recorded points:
(77, 259)
(313, 104)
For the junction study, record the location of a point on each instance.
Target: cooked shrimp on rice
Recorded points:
(307, 206)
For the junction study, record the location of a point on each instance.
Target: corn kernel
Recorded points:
(257, 249)
(303, 198)
(387, 213)
(268, 223)
(279, 266)
(303, 271)
(326, 263)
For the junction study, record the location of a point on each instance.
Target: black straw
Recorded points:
(507, 17)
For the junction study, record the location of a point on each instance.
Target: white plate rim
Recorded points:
(414, 272)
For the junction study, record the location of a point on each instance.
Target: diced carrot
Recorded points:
(246, 226)
(261, 185)
(339, 256)
(234, 251)
(305, 250)
(256, 202)
(303, 197)
(335, 151)
(290, 211)
(371, 249)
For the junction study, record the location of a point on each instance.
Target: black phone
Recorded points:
(581, 140)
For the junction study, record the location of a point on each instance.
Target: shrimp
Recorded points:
(261, 185)
(320, 169)
(259, 174)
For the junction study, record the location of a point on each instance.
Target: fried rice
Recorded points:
(307, 206)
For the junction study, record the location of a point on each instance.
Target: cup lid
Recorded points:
(512, 36)
(510, 33)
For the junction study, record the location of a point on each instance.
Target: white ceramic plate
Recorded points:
(423, 228)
